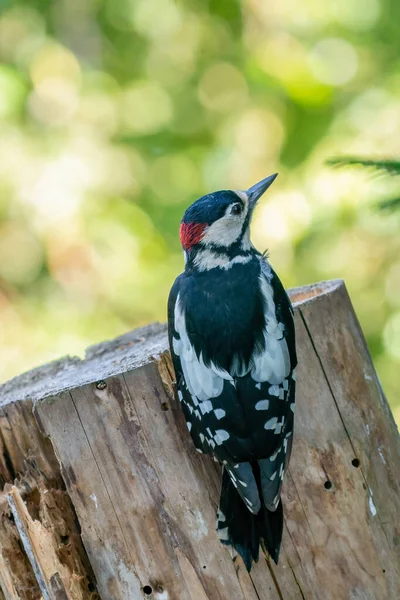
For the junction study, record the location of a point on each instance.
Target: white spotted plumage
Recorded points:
(262, 405)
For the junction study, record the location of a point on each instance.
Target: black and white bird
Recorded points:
(232, 341)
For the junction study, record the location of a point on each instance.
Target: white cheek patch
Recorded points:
(228, 228)
(224, 232)
(246, 244)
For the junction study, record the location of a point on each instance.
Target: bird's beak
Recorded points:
(256, 191)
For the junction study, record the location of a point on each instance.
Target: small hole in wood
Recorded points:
(355, 462)
(65, 539)
(147, 590)
(91, 586)
(164, 406)
(204, 567)
(383, 570)
(328, 485)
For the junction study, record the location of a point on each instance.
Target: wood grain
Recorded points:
(142, 499)
(356, 391)
(17, 580)
(334, 530)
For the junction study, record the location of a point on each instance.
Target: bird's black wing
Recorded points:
(207, 393)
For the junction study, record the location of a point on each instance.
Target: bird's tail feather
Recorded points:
(243, 530)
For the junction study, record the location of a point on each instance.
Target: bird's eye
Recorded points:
(236, 208)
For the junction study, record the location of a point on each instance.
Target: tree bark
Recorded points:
(112, 501)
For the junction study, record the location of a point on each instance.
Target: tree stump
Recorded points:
(105, 497)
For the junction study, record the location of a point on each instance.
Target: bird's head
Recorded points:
(220, 222)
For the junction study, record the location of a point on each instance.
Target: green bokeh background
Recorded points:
(116, 114)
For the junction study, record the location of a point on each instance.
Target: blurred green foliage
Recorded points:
(116, 114)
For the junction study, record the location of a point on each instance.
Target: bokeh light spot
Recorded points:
(146, 108)
(57, 190)
(392, 285)
(173, 178)
(172, 61)
(391, 335)
(259, 133)
(146, 18)
(21, 254)
(334, 61)
(53, 101)
(12, 92)
(284, 58)
(359, 15)
(56, 61)
(223, 88)
(21, 31)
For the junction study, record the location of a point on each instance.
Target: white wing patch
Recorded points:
(273, 363)
(203, 382)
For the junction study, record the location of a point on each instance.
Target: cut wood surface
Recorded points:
(108, 446)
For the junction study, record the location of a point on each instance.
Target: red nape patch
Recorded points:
(191, 234)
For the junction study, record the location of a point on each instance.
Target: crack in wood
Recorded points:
(339, 411)
(271, 570)
(326, 379)
(296, 580)
(289, 474)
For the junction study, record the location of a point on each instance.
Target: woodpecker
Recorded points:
(232, 341)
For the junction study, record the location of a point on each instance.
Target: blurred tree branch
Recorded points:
(388, 166)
